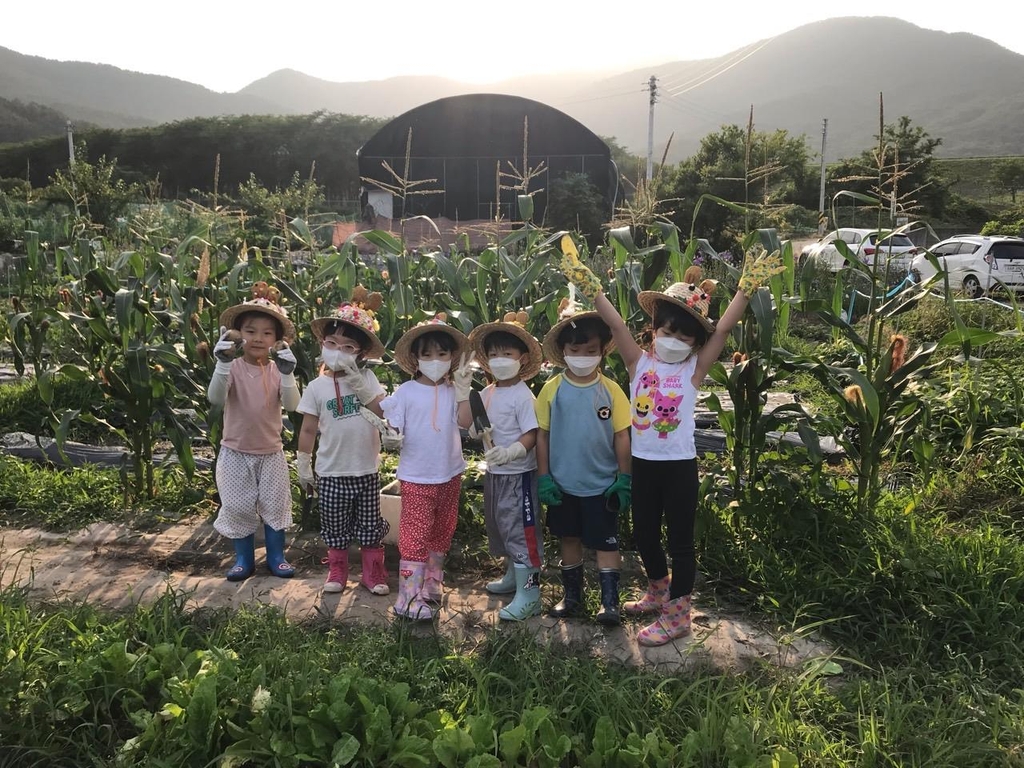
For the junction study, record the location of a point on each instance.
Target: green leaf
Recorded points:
(345, 750)
(525, 207)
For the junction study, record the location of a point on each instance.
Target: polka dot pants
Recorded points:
(429, 514)
(252, 487)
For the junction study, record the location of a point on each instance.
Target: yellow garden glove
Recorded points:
(576, 271)
(759, 269)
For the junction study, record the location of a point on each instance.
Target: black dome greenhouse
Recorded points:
(466, 158)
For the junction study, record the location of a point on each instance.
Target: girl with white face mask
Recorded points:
(347, 446)
(664, 380)
(429, 410)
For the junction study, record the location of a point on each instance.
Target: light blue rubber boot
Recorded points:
(527, 600)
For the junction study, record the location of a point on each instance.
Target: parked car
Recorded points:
(976, 263)
(867, 245)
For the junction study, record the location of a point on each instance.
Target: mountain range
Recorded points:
(961, 88)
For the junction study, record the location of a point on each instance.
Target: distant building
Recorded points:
(462, 142)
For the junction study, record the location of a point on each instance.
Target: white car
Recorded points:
(976, 263)
(865, 244)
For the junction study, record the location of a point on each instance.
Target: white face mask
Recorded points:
(504, 368)
(671, 350)
(435, 369)
(335, 359)
(582, 366)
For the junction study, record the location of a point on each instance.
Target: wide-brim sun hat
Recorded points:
(359, 313)
(513, 323)
(404, 356)
(692, 295)
(570, 315)
(264, 300)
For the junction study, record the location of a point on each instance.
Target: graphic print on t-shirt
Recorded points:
(349, 405)
(657, 402)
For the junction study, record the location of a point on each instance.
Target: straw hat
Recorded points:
(569, 313)
(265, 300)
(359, 313)
(692, 295)
(403, 349)
(514, 323)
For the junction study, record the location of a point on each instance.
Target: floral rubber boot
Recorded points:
(672, 623)
(652, 601)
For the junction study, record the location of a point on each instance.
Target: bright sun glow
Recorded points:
(225, 46)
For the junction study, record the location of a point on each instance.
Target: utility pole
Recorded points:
(71, 145)
(652, 87)
(822, 219)
(71, 164)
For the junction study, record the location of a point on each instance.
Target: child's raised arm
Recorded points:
(757, 270)
(590, 286)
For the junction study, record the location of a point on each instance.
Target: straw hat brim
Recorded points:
(376, 350)
(534, 354)
(550, 345)
(231, 314)
(649, 299)
(403, 348)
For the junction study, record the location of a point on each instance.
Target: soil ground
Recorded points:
(114, 566)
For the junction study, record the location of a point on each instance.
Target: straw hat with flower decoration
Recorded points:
(265, 300)
(692, 295)
(569, 314)
(403, 349)
(515, 324)
(359, 312)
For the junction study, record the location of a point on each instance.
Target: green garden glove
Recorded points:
(576, 272)
(759, 269)
(620, 493)
(548, 491)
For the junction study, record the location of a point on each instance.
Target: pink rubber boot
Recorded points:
(652, 601)
(409, 604)
(337, 570)
(375, 575)
(671, 624)
(433, 582)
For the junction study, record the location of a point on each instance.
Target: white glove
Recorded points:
(504, 454)
(392, 441)
(285, 360)
(225, 350)
(304, 467)
(472, 432)
(358, 383)
(462, 378)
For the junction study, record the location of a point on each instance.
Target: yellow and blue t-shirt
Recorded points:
(582, 421)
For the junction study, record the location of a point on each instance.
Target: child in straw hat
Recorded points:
(252, 474)
(348, 457)
(428, 411)
(511, 356)
(664, 381)
(583, 457)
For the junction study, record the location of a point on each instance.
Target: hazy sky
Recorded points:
(226, 45)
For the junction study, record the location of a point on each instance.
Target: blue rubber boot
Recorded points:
(275, 553)
(245, 559)
(527, 599)
(608, 614)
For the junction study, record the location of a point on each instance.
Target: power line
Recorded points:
(688, 87)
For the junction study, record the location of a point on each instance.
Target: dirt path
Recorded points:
(115, 566)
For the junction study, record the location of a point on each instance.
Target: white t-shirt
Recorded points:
(662, 398)
(512, 413)
(427, 417)
(349, 444)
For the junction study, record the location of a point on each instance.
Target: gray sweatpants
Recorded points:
(511, 510)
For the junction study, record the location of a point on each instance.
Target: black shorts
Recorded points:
(587, 518)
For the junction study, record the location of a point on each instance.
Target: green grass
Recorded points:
(182, 688)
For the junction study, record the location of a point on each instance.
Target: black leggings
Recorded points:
(666, 488)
